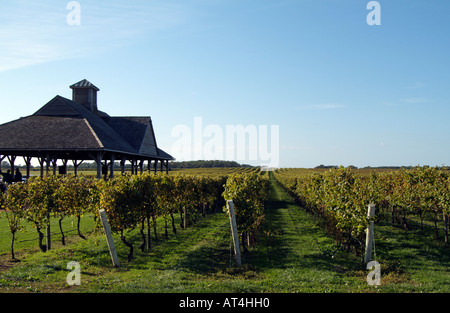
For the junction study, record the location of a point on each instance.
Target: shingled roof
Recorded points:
(68, 129)
(84, 84)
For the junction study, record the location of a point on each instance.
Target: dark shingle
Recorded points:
(63, 124)
(84, 84)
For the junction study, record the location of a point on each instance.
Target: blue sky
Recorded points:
(342, 92)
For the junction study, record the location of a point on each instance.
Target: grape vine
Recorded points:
(341, 196)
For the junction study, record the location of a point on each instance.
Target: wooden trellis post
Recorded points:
(109, 238)
(446, 228)
(369, 234)
(234, 232)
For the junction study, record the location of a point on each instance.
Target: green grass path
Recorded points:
(298, 255)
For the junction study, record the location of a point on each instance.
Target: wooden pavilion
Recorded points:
(76, 130)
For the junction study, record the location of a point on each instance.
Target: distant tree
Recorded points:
(205, 164)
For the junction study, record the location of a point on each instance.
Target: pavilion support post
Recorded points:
(28, 164)
(41, 163)
(122, 165)
(98, 160)
(161, 165)
(75, 166)
(105, 169)
(65, 165)
(167, 167)
(54, 164)
(47, 164)
(99, 165)
(105, 166)
(111, 166)
(155, 164)
(141, 166)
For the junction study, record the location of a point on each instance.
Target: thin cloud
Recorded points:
(323, 106)
(414, 100)
(33, 33)
(417, 85)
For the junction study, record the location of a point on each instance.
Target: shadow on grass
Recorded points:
(202, 248)
(273, 249)
(413, 248)
(205, 260)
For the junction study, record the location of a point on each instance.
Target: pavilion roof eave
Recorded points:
(85, 154)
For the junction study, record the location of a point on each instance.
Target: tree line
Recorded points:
(173, 165)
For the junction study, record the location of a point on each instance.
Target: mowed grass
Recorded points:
(27, 238)
(293, 254)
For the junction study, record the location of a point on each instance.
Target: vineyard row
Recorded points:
(132, 201)
(341, 196)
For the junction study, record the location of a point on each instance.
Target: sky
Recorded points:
(310, 80)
